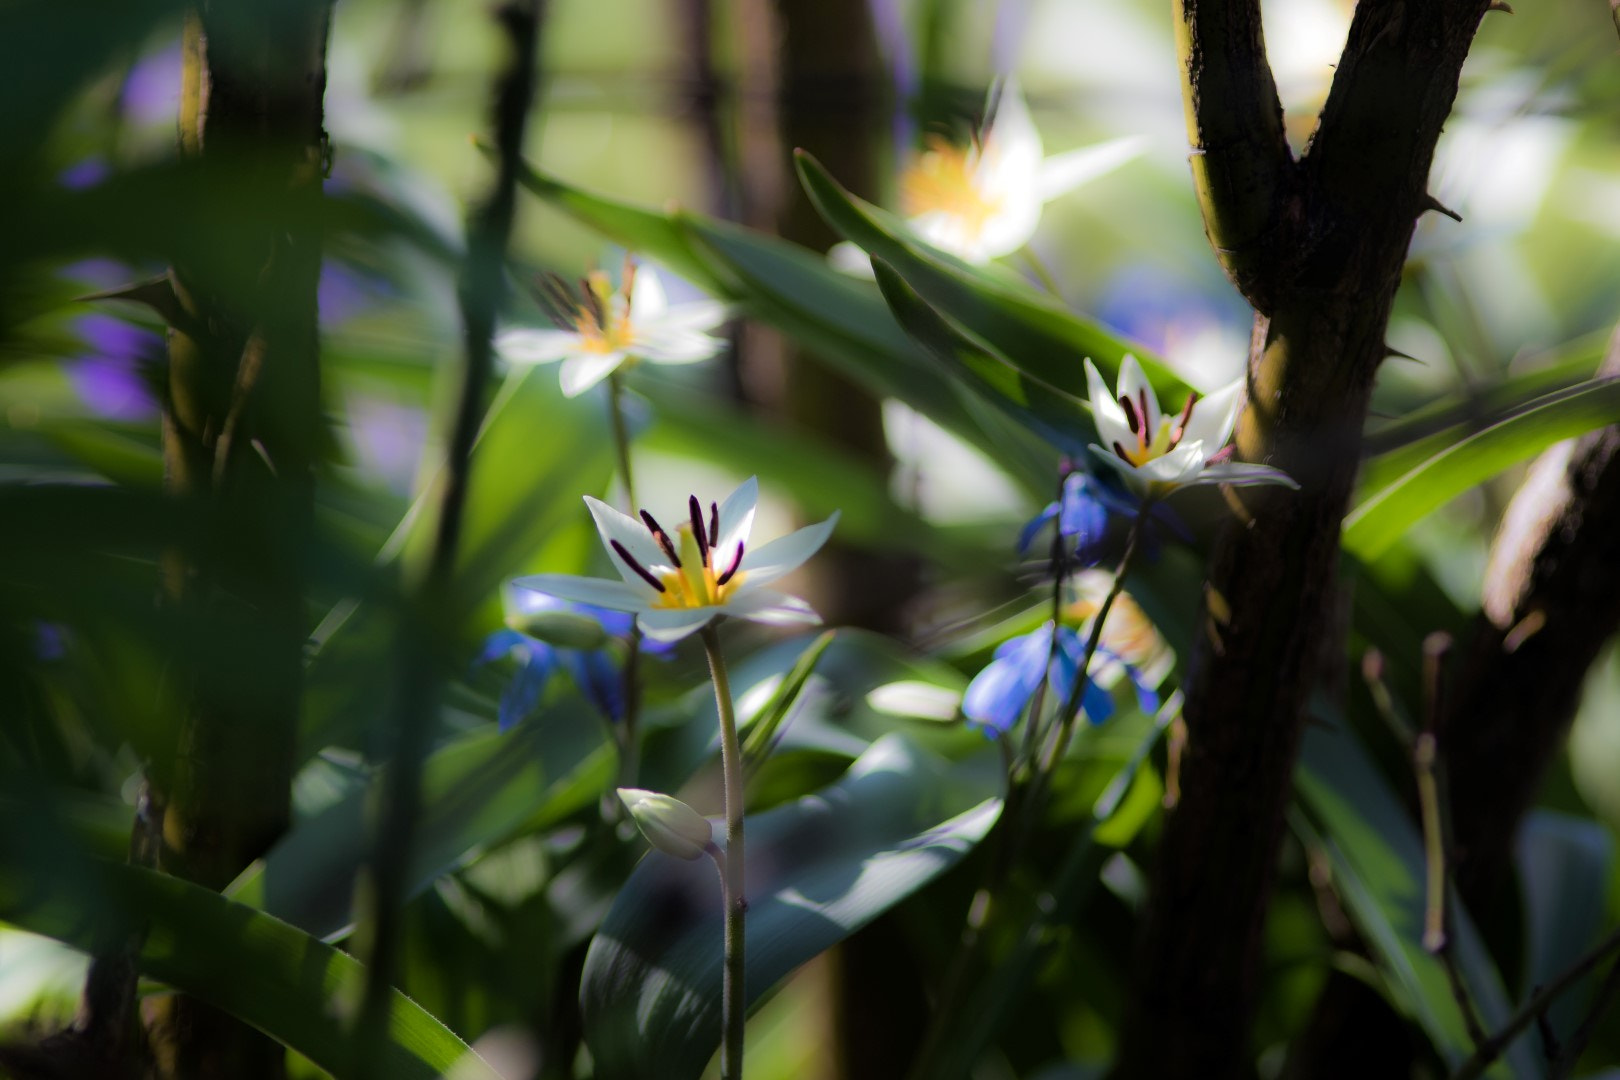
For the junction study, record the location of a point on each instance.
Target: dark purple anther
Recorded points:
(662, 537)
(695, 509)
(629, 560)
(731, 571)
(1130, 415)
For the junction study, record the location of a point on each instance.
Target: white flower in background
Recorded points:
(678, 585)
(1157, 453)
(982, 201)
(602, 329)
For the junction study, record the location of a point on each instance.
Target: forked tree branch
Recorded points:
(1241, 165)
(1330, 267)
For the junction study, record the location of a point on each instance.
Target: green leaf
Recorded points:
(840, 319)
(1381, 519)
(1347, 810)
(1564, 868)
(263, 971)
(476, 791)
(819, 869)
(1058, 417)
(1042, 338)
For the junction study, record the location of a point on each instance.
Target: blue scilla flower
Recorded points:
(998, 695)
(1081, 513)
(570, 637)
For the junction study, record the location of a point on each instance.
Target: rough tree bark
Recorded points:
(1316, 246)
(241, 430)
(1552, 600)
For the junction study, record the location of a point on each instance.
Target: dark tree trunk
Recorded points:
(1317, 247)
(1552, 600)
(241, 427)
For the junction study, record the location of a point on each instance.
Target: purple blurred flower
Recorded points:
(345, 292)
(83, 174)
(1156, 308)
(108, 377)
(152, 89)
(387, 438)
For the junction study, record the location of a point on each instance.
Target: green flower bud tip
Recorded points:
(668, 824)
(565, 629)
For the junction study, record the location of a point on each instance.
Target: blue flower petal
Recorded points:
(599, 679)
(1147, 696)
(499, 644)
(998, 695)
(1032, 528)
(523, 692)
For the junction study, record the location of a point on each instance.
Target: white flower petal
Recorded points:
(698, 316)
(1012, 145)
(786, 554)
(1214, 417)
(950, 234)
(1062, 173)
(580, 373)
(672, 624)
(1177, 467)
(615, 595)
(1112, 427)
(612, 525)
(525, 346)
(850, 259)
(1132, 473)
(737, 517)
(771, 607)
(677, 346)
(647, 299)
(1133, 384)
(1012, 225)
(1245, 474)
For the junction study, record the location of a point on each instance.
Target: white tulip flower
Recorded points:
(1157, 453)
(602, 329)
(678, 585)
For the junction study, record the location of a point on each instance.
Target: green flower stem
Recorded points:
(628, 738)
(1071, 708)
(733, 1011)
(621, 439)
(1025, 794)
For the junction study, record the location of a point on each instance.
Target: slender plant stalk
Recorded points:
(629, 739)
(1024, 799)
(482, 287)
(733, 1010)
(1538, 1004)
(1071, 708)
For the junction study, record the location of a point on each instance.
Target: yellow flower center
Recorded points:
(697, 582)
(943, 181)
(602, 320)
(1156, 443)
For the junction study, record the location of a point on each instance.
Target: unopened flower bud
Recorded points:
(565, 629)
(668, 824)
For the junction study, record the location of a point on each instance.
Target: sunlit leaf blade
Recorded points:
(841, 320)
(819, 869)
(475, 792)
(1565, 864)
(637, 228)
(1395, 447)
(1348, 811)
(1060, 418)
(1382, 518)
(271, 975)
(1035, 333)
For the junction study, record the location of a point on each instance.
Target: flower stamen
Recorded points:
(1181, 421)
(695, 508)
(630, 561)
(732, 569)
(1130, 415)
(714, 524)
(662, 537)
